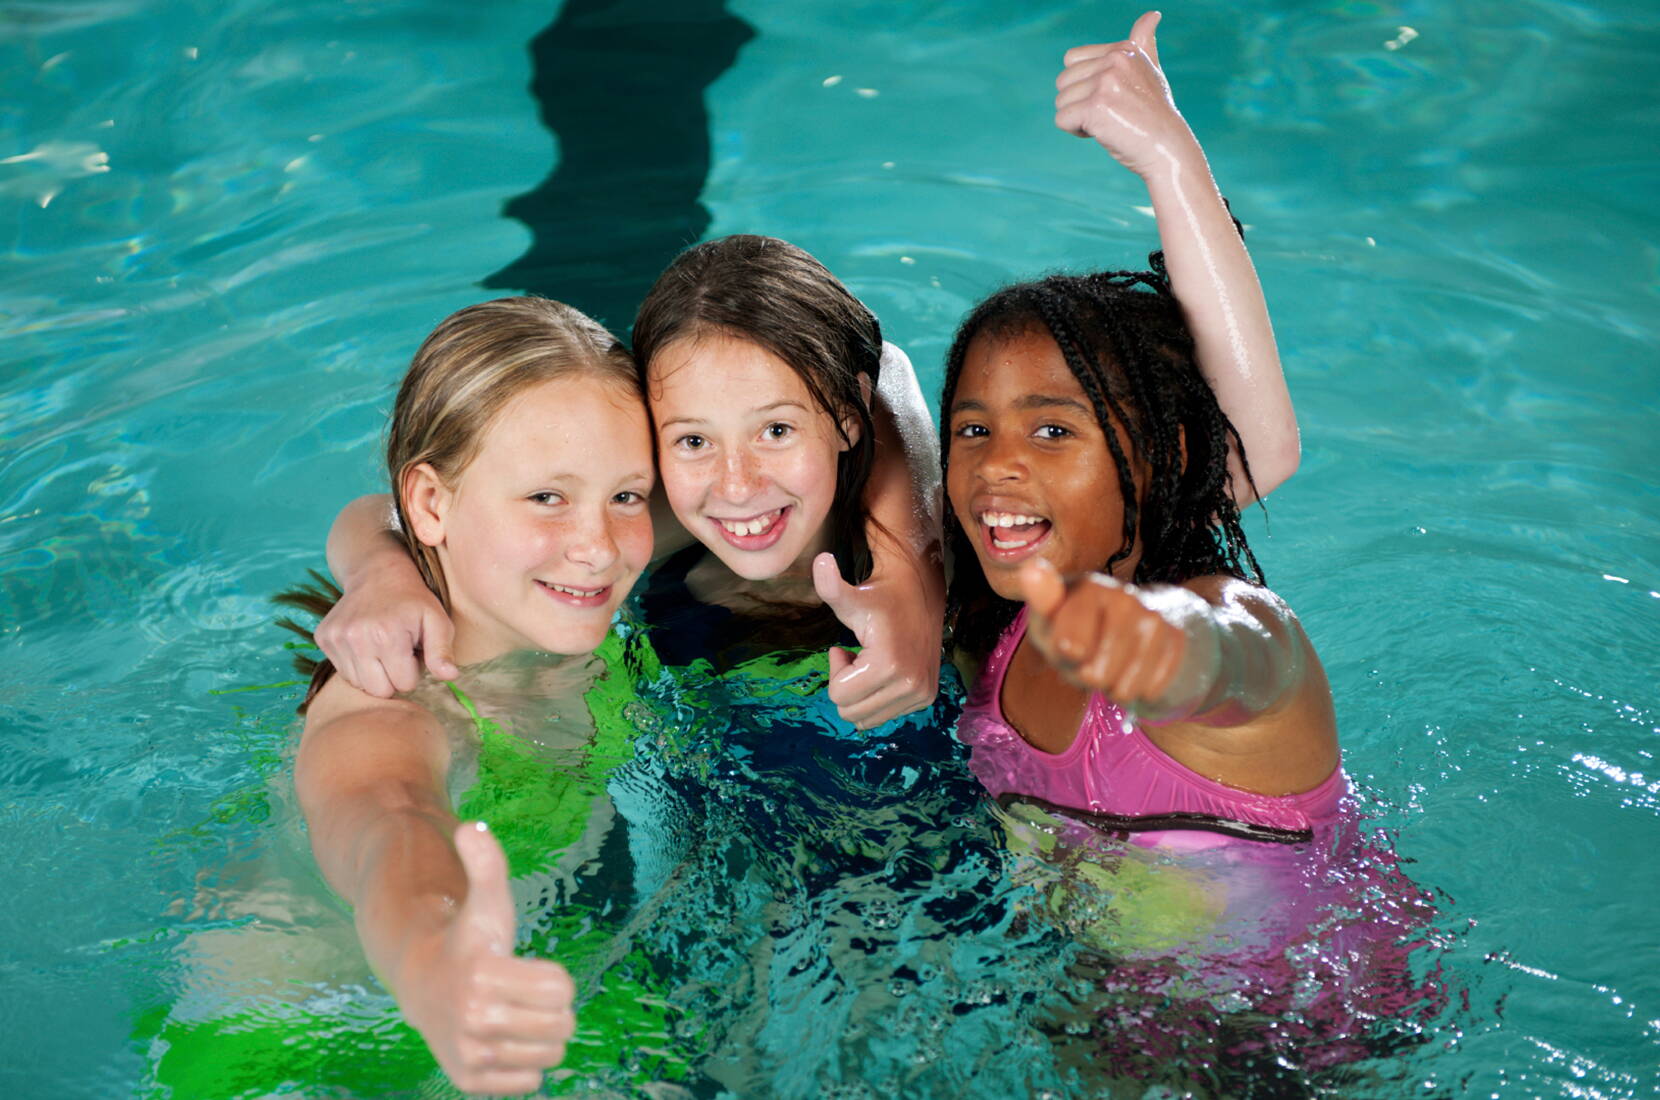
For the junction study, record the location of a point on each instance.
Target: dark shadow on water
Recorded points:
(620, 84)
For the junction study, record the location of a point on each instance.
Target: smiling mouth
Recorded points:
(754, 532)
(1010, 534)
(577, 597)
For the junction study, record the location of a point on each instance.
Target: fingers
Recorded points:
(517, 1019)
(840, 661)
(370, 659)
(1100, 636)
(488, 909)
(495, 1082)
(870, 690)
(437, 638)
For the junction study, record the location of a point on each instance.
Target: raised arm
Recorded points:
(898, 614)
(431, 900)
(1116, 93)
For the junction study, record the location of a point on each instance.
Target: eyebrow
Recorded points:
(693, 421)
(1027, 403)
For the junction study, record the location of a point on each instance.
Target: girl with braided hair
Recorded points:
(1127, 661)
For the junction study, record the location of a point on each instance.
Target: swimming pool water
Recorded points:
(228, 226)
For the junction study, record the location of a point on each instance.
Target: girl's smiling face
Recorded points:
(543, 533)
(747, 456)
(1029, 471)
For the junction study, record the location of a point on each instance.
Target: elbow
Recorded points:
(1276, 467)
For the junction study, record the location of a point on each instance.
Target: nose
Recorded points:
(1002, 458)
(740, 475)
(593, 544)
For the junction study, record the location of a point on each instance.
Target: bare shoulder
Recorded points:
(351, 738)
(1284, 741)
(1236, 593)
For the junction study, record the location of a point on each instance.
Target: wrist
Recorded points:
(1194, 681)
(386, 559)
(1175, 157)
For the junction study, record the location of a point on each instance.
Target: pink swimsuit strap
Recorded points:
(1114, 773)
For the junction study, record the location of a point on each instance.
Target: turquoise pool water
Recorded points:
(228, 225)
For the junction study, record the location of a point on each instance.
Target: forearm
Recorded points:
(407, 884)
(1241, 657)
(903, 497)
(362, 539)
(1213, 278)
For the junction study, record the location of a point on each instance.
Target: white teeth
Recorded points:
(752, 526)
(1008, 519)
(572, 591)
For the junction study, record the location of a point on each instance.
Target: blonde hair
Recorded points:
(466, 371)
(475, 362)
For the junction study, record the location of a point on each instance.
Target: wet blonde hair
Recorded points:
(475, 362)
(466, 371)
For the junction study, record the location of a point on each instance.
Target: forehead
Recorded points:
(1001, 368)
(725, 372)
(567, 422)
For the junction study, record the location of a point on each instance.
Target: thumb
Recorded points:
(488, 910)
(841, 597)
(1042, 587)
(840, 661)
(1142, 34)
(437, 637)
(828, 583)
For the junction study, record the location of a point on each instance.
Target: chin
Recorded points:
(1003, 583)
(577, 640)
(753, 566)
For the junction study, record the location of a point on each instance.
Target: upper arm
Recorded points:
(1274, 729)
(360, 758)
(904, 493)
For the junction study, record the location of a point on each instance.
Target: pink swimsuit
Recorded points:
(1115, 775)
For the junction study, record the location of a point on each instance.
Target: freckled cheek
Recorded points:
(684, 483)
(634, 540)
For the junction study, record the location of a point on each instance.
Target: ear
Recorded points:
(426, 503)
(850, 422)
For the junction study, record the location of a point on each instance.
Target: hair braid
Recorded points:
(1123, 338)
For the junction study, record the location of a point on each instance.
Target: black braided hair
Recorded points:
(1124, 339)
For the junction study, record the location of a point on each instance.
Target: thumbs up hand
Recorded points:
(493, 1020)
(897, 668)
(1102, 635)
(1115, 92)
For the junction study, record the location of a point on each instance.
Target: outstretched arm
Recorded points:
(1218, 670)
(1116, 93)
(898, 614)
(431, 900)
